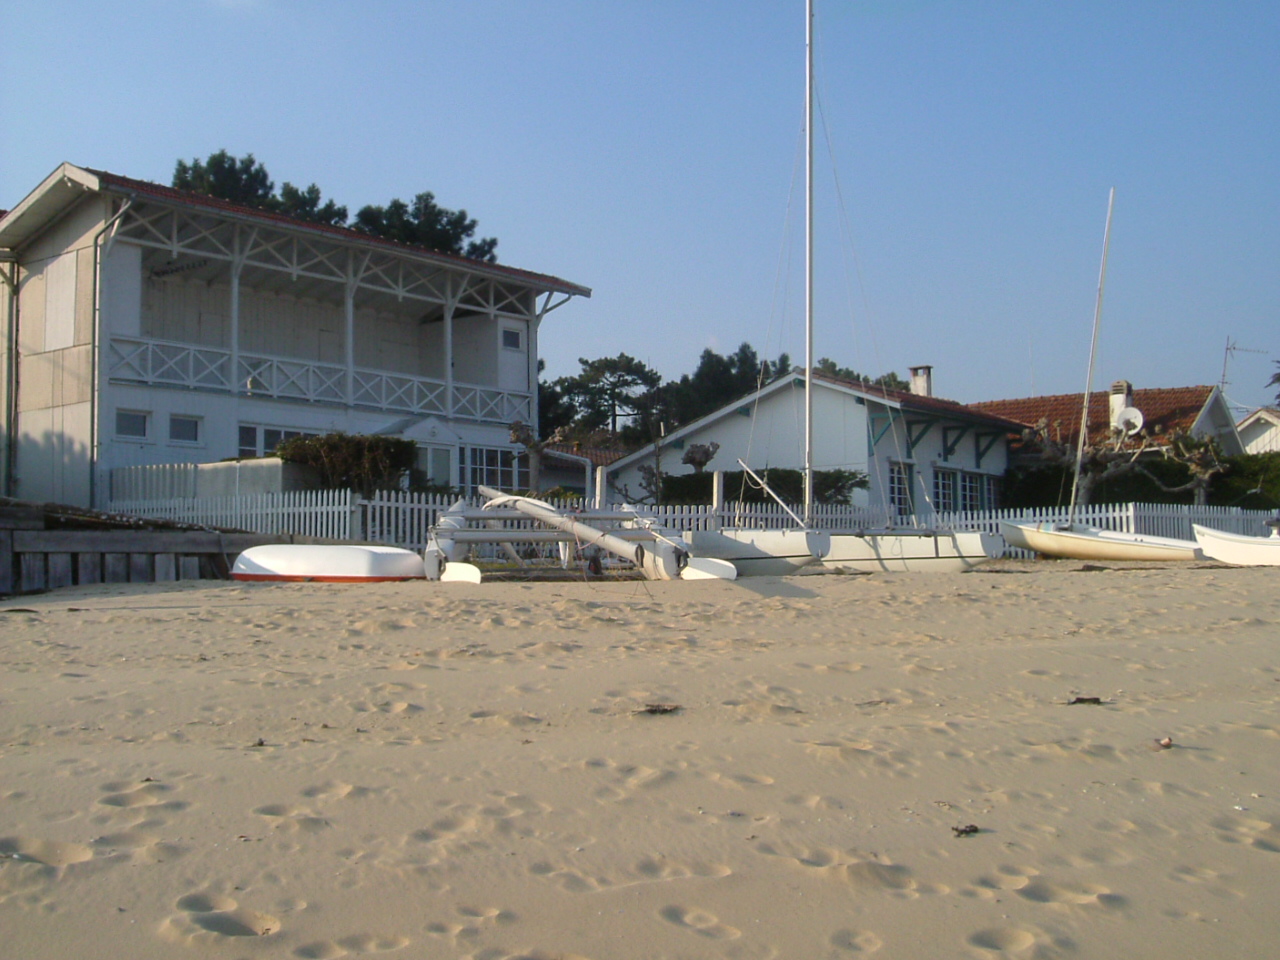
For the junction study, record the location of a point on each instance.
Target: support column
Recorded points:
(237, 264)
(448, 354)
(349, 330)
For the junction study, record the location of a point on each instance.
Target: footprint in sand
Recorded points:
(48, 853)
(856, 941)
(852, 869)
(1008, 940)
(1069, 894)
(291, 819)
(359, 943)
(1262, 835)
(151, 793)
(220, 915)
(697, 921)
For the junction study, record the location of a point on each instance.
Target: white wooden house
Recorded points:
(1260, 431)
(917, 450)
(145, 325)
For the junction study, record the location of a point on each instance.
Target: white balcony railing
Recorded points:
(169, 364)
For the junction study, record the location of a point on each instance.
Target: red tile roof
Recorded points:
(1164, 410)
(599, 456)
(187, 198)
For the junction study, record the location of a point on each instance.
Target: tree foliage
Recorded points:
(421, 223)
(610, 390)
(1275, 381)
(424, 223)
(890, 380)
(353, 462)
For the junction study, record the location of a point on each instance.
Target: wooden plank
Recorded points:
(88, 568)
(115, 568)
(140, 568)
(166, 568)
(31, 576)
(189, 568)
(7, 570)
(114, 541)
(59, 570)
(21, 516)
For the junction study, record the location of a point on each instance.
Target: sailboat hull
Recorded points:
(909, 551)
(760, 553)
(1237, 548)
(1078, 542)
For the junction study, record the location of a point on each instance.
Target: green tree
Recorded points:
(425, 223)
(1275, 381)
(890, 380)
(244, 181)
(612, 389)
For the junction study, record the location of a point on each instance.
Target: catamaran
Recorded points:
(773, 551)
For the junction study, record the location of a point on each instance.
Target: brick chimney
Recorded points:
(922, 381)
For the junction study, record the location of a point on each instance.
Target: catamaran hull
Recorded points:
(1237, 548)
(760, 553)
(911, 552)
(327, 564)
(1079, 542)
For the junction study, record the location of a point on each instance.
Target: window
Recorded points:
(944, 490)
(132, 424)
(971, 491)
(258, 441)
(184, 429)
(900, 475)
(993, 493)
(432, 465)
(494, 467)
(511, 339)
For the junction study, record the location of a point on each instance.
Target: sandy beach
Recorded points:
(769, 768)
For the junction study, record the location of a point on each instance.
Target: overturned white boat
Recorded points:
(910, 551)
(1238, 548)
(325, 563)
(1077, 541)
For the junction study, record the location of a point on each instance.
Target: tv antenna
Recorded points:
(1231, 350)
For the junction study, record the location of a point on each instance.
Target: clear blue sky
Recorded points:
(649, 149)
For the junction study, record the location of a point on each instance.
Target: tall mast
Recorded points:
(1093, 350)
(808, 265)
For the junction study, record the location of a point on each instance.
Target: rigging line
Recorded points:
(781, 285)
(847, 237)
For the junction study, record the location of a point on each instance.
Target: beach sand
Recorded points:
(444, 770)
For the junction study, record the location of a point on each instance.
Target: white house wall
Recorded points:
(55, 317)
(220, 418)
(771, 434)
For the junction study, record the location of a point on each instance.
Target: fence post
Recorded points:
(355, 526)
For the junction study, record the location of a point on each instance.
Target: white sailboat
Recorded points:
(1079, 541)
(781, 551)
(1238, 548)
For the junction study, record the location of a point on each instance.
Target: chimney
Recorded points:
(1121, 397)
(922, 381)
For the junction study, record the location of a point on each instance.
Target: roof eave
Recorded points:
(57, 193)
(539, 281)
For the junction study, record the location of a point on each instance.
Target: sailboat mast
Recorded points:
(808, 265)
(1093, 351)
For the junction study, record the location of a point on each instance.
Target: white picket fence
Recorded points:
(332, 514)
(406, 519)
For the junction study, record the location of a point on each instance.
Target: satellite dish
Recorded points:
(1130, 421)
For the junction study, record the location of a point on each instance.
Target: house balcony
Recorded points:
(164, 363)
